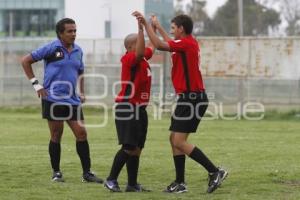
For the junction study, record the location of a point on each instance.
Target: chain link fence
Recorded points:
(235, 70)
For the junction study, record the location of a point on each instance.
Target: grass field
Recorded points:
(262, 158)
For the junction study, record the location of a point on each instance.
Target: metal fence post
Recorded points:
(241, 88)
(1, 72)
(93, 81)
(248, 75)
(164, 78)
(21, 92)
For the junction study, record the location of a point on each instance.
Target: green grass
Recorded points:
(262, 158)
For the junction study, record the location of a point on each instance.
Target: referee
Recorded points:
(192, 102)
(62, 67)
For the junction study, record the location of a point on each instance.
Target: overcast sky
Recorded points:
(211, 5)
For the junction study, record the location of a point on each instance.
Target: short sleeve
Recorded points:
(148, 53)
(177, 45)
(41, 53)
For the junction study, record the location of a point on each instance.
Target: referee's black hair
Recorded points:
(185, 21)
(60, 25)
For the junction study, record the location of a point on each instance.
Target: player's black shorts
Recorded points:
(56, 112)
(131, 124)
(189, 110)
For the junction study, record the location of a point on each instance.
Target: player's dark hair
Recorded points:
(60, 25)
(185, 21)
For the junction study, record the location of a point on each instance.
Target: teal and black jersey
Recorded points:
(61, 71)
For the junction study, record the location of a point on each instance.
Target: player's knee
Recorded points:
(177, 143)
(130, 149)
(81, 135)
(137, 151)
(56, 136)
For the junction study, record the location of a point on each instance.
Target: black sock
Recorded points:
(132, 165)
(54, 152)
(83, 151)
(179, 162)
(120, 159)
(201, 158)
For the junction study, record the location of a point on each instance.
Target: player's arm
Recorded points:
(81, 87)
(160, 45)
(27, 62)
(140, 43)
(149, 44)
(155, 23)
(81, 80)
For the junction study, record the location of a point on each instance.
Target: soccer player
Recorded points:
(192, 100)
(62, 67)
(130, 112)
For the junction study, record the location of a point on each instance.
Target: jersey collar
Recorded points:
(58, 43)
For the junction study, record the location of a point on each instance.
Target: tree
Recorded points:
(258, 19)
(199, 16)
(179, 7)
(196, 11)
(290, 12)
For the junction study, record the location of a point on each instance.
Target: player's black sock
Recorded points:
(83, 151)
(201, 158)
(120, 159)
(54, 152)
(132, 165)
(179, 162)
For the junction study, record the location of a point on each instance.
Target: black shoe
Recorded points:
(216, 179)
(136, 188)
(91, 178)
(112, 185)
(57, 177)
(176, 188)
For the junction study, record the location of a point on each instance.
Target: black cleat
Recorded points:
(57, 177)
(136, 188)
(176, 188)
(216, 179)
(112, 185)
(90, 177)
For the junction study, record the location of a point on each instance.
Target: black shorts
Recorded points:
(189, 110)
(131, 124)
(61, 112)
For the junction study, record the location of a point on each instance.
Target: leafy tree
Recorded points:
(179, 7)
(258, 19)
(290, 12)
(197, 12)
(199, 16)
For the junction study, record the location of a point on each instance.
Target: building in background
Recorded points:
(94, 18)
(29, 18)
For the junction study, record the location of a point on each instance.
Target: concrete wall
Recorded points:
(274, 58)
